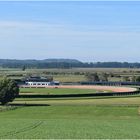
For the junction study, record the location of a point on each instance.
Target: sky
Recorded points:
(88, 31)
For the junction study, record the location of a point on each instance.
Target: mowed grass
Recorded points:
(71, 122)
(126, 100)
(56, 91)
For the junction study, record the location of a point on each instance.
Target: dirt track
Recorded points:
(106, 88)
(102, 88)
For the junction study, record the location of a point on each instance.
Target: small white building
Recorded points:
(33, 83)
(39, 81)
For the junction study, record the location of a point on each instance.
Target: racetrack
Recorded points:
(100, 88)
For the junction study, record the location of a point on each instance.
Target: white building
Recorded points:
(39, 81)
(33, 83)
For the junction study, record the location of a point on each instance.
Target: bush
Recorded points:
(8, 90)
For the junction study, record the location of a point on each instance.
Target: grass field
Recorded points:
(71, 122)
(128, 101)
(70, 78)
(70, 118)
(56, 91)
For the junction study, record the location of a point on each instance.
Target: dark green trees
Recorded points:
(8, 90)
(95, 77)
(103, 77)
(92, 77)
(24, 68)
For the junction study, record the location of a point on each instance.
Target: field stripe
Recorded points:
(33, 126)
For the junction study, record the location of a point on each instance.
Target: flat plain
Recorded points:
(71, 122)
(70, 75)
(115, 117)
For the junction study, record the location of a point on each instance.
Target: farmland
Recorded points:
(69, 70)
(71, 75)
(71, 118)
(115, 117)
(71, 122)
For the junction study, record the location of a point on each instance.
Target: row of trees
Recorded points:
(63, 63)
(131, 78)
(92, 77)
(104, 77)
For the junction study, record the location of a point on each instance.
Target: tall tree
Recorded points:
(24, 68)
(138, 79)
(8, 90)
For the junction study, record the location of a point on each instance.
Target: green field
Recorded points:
(116, 117)
(95, 101)
(71, 118)
(71, 122)
(56, 91)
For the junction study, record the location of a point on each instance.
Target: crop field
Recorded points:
(72, 118)
(71, 122)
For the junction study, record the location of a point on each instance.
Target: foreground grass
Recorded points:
(71, 122)
(7, 108)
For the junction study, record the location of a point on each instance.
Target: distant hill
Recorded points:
(45, 60)
(63, 63)
(46, 63)
(62, 60)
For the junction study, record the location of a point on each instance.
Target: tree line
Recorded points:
(63, 63)
(104, 77)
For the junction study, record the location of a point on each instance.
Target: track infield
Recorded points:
(88, 87)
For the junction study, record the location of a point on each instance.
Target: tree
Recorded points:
(138, 79)
(104, 77)
(24, 68)
(92, 77)
(8, 90)
(133, 79)
(50, 78)
(125, 79)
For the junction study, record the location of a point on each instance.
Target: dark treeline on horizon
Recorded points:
(63, 63)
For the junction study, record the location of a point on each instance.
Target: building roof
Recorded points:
(37, 79)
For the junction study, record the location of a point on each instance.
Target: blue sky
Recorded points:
(88, 31)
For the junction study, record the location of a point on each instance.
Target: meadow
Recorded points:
(72, 118)
(70, 122)
(116, 117)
